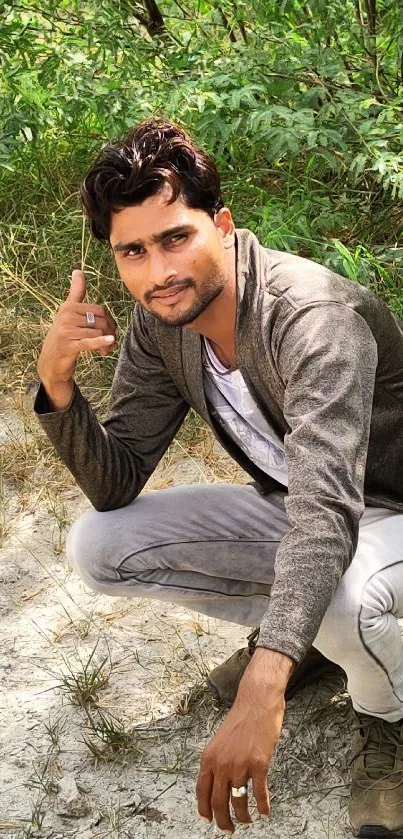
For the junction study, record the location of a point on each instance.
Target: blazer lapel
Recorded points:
(193, 371)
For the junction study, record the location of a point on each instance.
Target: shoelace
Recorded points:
(381, 740)
(252, 639)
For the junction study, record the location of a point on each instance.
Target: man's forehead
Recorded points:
(142, 222)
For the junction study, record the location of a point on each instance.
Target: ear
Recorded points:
(225, 227)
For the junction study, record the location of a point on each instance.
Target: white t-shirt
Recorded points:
(234, 409)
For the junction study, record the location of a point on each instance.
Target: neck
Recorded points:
(217, 322)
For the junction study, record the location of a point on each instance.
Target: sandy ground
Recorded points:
(144, 665)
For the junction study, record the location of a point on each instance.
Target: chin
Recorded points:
(179, 318)
(176, 319)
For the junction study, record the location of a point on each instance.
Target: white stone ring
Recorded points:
(238, 792)
(90, 318)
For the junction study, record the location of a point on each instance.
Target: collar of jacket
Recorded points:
(250, 258)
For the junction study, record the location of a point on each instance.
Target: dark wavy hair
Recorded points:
(154, 154)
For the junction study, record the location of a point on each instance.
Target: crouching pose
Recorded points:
(299, 373)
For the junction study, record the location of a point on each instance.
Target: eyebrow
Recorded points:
(155, 238)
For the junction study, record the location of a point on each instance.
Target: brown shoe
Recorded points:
(376, 803)
(224, 680)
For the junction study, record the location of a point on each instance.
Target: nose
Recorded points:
(159, 269)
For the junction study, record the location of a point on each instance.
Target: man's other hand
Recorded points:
(244, 744)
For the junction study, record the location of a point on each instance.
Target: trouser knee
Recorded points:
(361, 615)
(92, 550)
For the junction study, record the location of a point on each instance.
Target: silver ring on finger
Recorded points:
(239, 792)
(90, 318)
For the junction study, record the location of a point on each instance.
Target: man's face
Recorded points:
(172, 259)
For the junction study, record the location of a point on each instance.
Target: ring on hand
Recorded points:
(90, 318)
(238, 792)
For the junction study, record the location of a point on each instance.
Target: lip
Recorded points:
(170, 296)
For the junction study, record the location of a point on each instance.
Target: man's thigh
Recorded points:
(219, 529)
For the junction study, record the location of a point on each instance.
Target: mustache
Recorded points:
(188, 282)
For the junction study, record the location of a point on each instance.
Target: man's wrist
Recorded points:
(268, 672)
(59, 394)
(274, 664)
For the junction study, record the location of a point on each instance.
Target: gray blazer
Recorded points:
(323, 358)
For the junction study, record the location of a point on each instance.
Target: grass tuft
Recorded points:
(108, 738)
(83, 686)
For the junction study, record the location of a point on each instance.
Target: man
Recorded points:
(300, 375)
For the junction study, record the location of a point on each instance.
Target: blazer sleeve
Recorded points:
(327, 358)
(112, 461)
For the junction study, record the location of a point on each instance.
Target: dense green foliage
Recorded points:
(300, 103)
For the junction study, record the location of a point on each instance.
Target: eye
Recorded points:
(132, 252)
(177, 237)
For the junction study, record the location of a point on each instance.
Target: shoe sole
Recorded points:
(374, 831)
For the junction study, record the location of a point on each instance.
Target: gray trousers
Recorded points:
(212, 548)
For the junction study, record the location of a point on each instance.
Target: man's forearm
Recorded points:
(102, 466)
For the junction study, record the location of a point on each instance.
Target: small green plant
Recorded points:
(54, 730)
(82, 686)
(42, 778)
(57, 509)
(38, 814)
(108, 738)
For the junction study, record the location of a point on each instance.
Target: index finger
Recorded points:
(204, 789)
(261, 794)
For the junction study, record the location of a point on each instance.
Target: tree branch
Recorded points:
(156, 21)
(371, 16)
(227, 26)
(153, 20)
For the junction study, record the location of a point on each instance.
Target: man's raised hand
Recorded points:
(70, 335)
